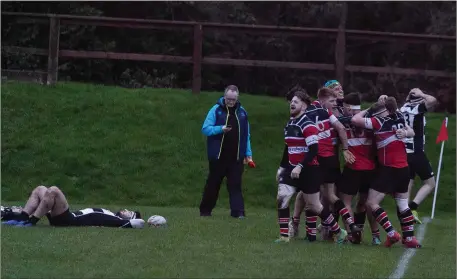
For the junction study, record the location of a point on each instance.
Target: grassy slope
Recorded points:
(119, 146)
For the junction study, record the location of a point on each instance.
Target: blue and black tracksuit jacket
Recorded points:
(237, 142)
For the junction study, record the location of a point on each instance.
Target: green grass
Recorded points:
(216, 247)
(144, 147)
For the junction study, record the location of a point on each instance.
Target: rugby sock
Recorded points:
(283, 221)
(296, 221)
(311, 225)
(381, 217)
(407, 223)
(327, 218)
(34, 219)
(344, 212)
(375, 234)
(413, 206)
(359, 219)
(336, 216)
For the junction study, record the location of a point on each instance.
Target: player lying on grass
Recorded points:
(300, 169)
(52, 203)
(390, 128)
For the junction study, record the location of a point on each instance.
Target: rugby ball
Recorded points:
(157, 221)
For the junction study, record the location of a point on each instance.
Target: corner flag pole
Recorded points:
(438, 175)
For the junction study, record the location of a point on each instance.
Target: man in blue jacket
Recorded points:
(228, 146)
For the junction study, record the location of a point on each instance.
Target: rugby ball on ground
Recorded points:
(157, 221)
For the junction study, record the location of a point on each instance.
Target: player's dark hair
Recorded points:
(352, 99)
(303, 97)
(291, 93)
(137, 215)
(391, 105)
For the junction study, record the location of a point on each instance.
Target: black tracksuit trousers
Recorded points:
(217, 171)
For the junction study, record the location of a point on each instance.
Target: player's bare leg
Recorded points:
(428, 186)
(34, 200)
(32, 204)
(315, 209)
(53, 200)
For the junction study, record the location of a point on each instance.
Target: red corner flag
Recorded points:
(442, 135)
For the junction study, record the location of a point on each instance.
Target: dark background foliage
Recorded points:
(406, 17)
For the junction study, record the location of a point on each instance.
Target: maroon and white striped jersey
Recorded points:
(299, 134)
(361, 145)
(391, 150)
(323, 119)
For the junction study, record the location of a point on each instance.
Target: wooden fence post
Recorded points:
(197, 59)
(53, 50)
(340, 48)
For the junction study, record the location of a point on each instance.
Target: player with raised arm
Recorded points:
(417, 104)
(299, 168)
(390, 128)
(357, 177)
(52, 203)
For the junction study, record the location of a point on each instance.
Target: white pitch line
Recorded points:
(409, 253)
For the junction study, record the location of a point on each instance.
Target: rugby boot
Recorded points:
(391, 240)
(10, 222)
(282, 239)
(376, 241)
(411, 242)
(416, 216)
(25, 224)
(341, 237)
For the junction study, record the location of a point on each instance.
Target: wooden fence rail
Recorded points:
(197, 59)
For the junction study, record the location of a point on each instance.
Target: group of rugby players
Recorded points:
(383, 149)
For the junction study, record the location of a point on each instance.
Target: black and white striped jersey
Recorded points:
(98, 217)
(414, 115)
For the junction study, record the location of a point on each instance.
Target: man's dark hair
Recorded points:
(291, 93)
(303, 97)
(137, 215)
(352, 99)
(391, 105)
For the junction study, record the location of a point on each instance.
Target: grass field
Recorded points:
(217, 247)
(143, 148)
